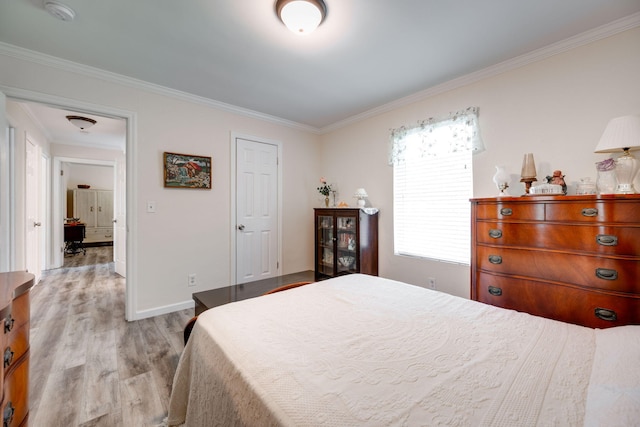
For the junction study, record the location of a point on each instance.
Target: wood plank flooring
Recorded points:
(90, 367)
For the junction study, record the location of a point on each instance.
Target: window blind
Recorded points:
(432, 187)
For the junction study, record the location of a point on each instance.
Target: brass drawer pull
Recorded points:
(606, 314)
(495, 259)
(8, 357)
(589, 212)
(606, 273)
(494, 233)
(7, 415)
(495, 291)
(606, 240)
(8, 324)
(506, 211)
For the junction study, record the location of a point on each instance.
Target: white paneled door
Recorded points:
(7, 226)
(34, 221)
(120, 219)
(256, 210)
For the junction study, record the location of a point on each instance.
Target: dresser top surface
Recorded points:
(559, 198)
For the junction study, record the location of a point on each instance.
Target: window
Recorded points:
(432, 185)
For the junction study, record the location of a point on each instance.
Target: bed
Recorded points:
(360, 350)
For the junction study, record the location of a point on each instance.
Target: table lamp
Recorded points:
(528, 173)
(622, 133)
(361, 194)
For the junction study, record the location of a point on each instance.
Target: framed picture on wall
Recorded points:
(187, 171)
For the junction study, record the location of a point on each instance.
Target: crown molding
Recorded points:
(598, 33)
(65, 65)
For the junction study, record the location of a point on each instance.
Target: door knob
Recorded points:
(37, 224)
(241, 227)
(114, 221)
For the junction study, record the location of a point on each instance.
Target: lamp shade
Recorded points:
(528, 166)
(620, 133)
(360, 193)
(301, 16)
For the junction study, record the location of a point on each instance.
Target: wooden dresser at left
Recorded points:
(14, 315)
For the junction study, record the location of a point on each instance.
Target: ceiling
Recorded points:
(367, 53)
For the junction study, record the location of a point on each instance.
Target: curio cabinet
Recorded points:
(346, 242)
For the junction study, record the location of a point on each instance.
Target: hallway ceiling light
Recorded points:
(301, 16)
(80, 122)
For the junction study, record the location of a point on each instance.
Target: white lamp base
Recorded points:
(626, 170)
(361, 203)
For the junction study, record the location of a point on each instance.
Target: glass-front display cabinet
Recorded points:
(346, 242)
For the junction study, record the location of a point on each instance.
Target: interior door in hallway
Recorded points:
(34, 221)
(120, 218)
(256, 210)
(7, 226)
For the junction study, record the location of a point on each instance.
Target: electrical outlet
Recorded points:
(432, 283)
(191, 279)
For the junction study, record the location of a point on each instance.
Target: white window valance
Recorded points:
(459, 131)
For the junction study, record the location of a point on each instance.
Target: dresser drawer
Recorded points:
(16, 399)
(19, 315)
(609, 274)
(98, 234)
(558, 302)
(605, 240)
(593, 211)
(17, 347)
(514, 211)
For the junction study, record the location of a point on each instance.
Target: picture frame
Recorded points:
(187, 171)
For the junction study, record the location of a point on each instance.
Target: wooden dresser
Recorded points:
(569, 258)
(14, 312)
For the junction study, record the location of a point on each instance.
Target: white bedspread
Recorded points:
(366, 351)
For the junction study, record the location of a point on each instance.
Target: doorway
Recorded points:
(124, 175)
(256, 208)
(93, 206)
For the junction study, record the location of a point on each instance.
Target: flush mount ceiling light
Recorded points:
(81, 122)
(59, 10)
(301, 16)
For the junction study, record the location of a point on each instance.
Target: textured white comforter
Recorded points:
(366, 351)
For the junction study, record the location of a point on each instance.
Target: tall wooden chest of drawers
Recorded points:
(14, 312)
(569, 258)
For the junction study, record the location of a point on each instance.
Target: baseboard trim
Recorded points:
(158, 311)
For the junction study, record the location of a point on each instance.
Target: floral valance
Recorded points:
(458, 131)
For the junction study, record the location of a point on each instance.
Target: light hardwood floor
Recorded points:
(90, 367)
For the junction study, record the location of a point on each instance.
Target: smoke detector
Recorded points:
(59, 10)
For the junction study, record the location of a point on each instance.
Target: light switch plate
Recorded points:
(151, 207)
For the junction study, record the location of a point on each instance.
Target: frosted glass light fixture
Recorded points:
(301, 16)
(82, 123)
(622, 133)
(361, 194)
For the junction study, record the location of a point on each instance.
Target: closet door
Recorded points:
(84, 206)
(105, 208)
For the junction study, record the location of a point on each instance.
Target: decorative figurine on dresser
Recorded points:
(14, 310)
(570, 258)
(346, 242)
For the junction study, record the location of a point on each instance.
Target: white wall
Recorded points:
(97, 176)
(556, 108)
(201, 218)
